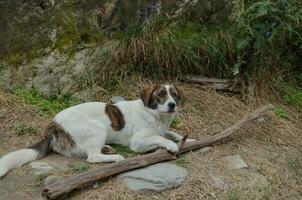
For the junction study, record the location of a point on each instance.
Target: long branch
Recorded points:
(68, 184)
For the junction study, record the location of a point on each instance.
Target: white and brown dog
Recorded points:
(83, 130)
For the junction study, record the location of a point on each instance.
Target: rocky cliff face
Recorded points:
(50, 45)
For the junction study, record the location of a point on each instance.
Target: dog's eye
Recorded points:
(173, 94)
(161, 94)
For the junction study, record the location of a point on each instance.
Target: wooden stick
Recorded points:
(205, 80)
(68, 184)
(227, 85)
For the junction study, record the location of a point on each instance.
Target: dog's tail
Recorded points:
(18, 158)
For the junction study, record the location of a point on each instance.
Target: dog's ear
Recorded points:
(146, 93)
(180, 95)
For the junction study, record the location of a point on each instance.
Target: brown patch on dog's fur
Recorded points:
(63, 139)
(150, 96)
(146, 94)
(43, 146)
(116, 117)
(177, 94)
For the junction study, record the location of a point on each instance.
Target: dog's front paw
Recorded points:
(172, 147)
(118, 157)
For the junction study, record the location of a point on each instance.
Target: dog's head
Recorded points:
(164, 98)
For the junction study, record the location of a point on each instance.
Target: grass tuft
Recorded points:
(79, 168)
(280, 112)
(291, 94)
(46, 105)
(123, 150)
(294, 163)
(175, 122)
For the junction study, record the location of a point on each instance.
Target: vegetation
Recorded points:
(175, 122)
(123, 150)
(41, 177)
(294, 163)
(261, 41)
(291, 94)
(280, 112)
(46, 105)
(79, 168)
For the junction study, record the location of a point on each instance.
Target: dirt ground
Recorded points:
(271, 148)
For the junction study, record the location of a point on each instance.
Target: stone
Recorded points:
(154, 178)
(218, 182)
(5, 78)
(40, 167)
(235, 162)
(116, 99)
(260, 120)
(204, 150)
(51, 164)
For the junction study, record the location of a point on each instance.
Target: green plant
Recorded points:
(280, 112)
(41, 177)
(262, 41)
(79, 168)
(181, 161)
(175, 122)
(267, 36)
(290, 94)
(46, 105)
(294, 163)
(123, 150)
(232, 195)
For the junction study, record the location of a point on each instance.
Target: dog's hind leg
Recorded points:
(94, 144)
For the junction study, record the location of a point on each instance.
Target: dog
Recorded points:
(83, 130)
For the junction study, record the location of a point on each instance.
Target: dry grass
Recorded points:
(272, 148)
(18, 119)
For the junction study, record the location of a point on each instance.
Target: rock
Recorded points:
(5, 78)
(218, 182)
(260, 120)
(155, 177)
(50, 180)
(50, 164)
(40, 167)
(235, 162)
(116, 99)
(204, 150)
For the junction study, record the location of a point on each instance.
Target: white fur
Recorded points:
(16, 159)
(144, 130)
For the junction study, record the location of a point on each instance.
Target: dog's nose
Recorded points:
(171, 105)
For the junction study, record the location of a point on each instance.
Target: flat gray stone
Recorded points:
(40, 167)
(155, 177)
(235, 162)
(51, 164)
(204, 150)
(116, 99)
(218, 182)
